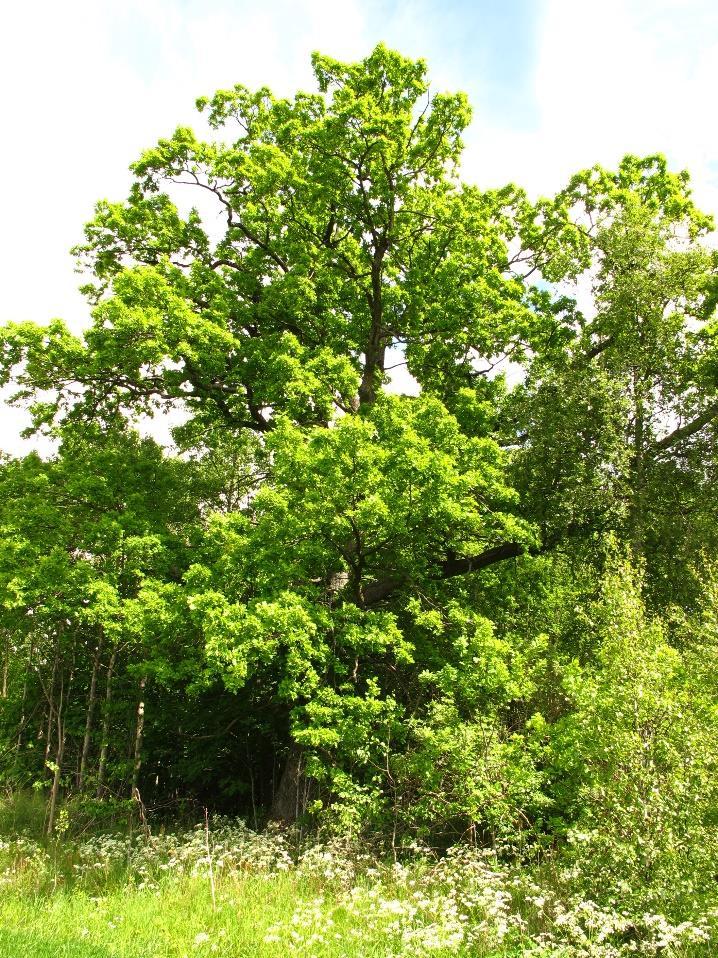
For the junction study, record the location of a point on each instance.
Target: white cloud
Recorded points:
(621, 76)
(88, 83)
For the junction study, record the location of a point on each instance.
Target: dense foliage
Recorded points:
(487, 610)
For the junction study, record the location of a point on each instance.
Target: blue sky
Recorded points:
(488, 47)
(556, 85)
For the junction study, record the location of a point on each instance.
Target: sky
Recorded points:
(556, 85)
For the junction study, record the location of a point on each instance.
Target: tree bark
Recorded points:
(59, 754)
(292, 794)
(55, 788)
(24, 700)
(375, 349)
(90, 713)
(51, 699)
(139, 728)
(638, 472)
(374, 360)
(105, 737)
(6, 667)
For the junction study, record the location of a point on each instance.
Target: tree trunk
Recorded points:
(55, 788)
(294, 791)
(139, 727)
(59, 755)
(51, 700)
(375, 348)
(374, 360)
(6, 667)
(105, 738)
(24, 700)
(638, 478)
(90, 714)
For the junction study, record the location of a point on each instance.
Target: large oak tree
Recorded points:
(266, 279)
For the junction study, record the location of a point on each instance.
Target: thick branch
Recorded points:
(690, 429)
(456, 565)
(460, 566)
(597, 349)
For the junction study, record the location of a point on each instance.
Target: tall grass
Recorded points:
(232, 892)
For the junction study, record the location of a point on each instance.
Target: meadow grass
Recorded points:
(178, 920)
(171, 921)
(232, 892)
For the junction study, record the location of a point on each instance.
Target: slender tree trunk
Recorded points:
(139, 727)
(59, 754)
(51, 700)
(55, 788)
(90, 713)
(24, 699)
(6, 667)
(638, 477)
(105, 738)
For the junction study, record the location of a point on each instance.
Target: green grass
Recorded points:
(157, 897)
(166, 923)
(144, 923)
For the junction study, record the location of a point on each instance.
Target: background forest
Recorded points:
(485, 612)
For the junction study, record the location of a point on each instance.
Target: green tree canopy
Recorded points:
(384, 589)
